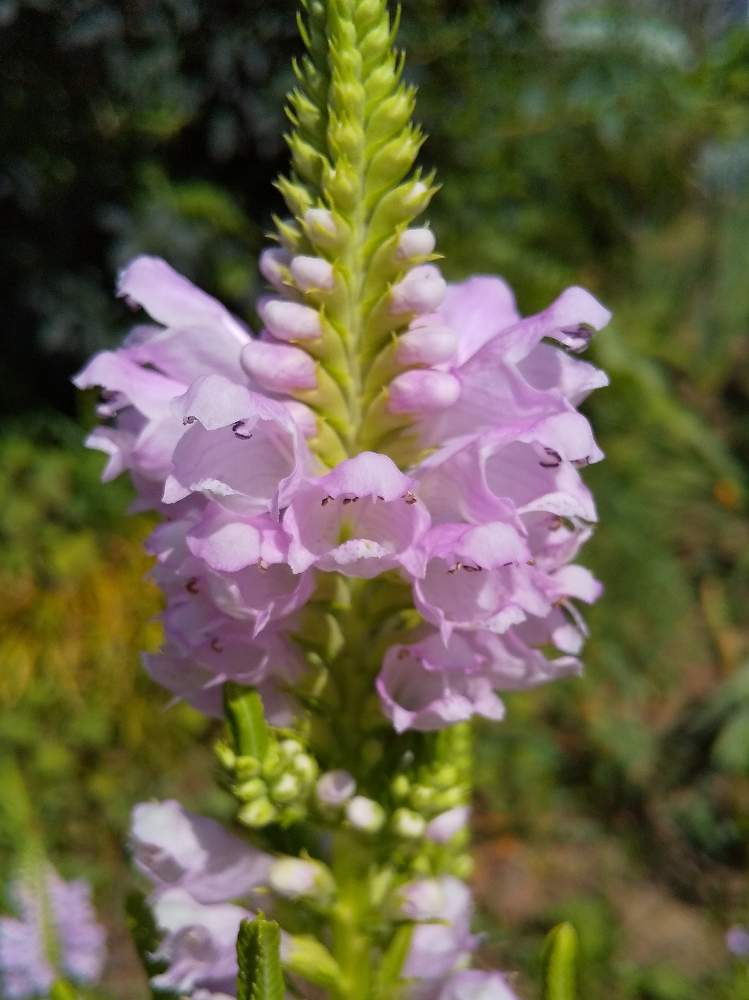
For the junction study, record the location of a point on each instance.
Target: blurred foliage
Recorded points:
(578, 141)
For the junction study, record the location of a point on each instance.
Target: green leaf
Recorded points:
(560, 963)
(258, 955)
(63, 991)
(389, 974)
(246, 718)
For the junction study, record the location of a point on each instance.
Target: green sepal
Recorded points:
(307, 957)
(259, 959)
(560, 963)
(391, 163)
(389, 973)
(245, 714)
(398, 208)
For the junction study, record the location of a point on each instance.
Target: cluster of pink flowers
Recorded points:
(205, 881)
(484, 528)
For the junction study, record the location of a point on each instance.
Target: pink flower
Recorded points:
(360, 519)
(175, 848)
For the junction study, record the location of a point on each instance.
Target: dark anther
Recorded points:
(380, 498)
(458, 565)
(235, 428)
(583, 331)
(410, 497)
(192, 585)
(473, 569)
(262, 565)
(555, 459)
(580, 463)
(216, 646)
(347, 500)
(325, 501)
(189, 420)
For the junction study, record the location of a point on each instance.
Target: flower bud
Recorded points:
(426, 345)
(256, 814)
(420, 391)
(408, 824)
(303, 417)
(249, 790)
(246, 767)
(286, 789)
(312, 273)
(335, 788)
(295, 878)
(418, 242)
(320, 220)
(290, 748)
(273, 265)
(400, 786)
(290, 320)
(278, 367)
(365, 814)
(449, 823)
(422, 290)
(305, 767)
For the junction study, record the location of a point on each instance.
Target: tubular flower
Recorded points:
(371, 511)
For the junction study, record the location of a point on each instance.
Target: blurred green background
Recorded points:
(577, 142)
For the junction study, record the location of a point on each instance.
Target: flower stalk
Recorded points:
(371, 507)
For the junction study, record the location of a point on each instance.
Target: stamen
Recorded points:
(325, 501)
(189, 420)
(556, 459)
(580, 463)
(192, 585)
(410, 497)
(235, 429)
(458, 565)
(349, 500)
(473, 569)
(262, 565)
(216, 645)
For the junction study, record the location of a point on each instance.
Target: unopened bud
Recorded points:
(248, 790)
(422, 391)
(449, 823)
(422, 290)
(278, 367)
(365, 814)
(421, 796)
(226, 756)
(257, 814)
(416, 243)
(246, 767)
(290, 748)
(305, 767)
(408, 824)
(426, 345)
(273, 264)
(290, 320)
(295, 878)
(335, 788)
(320, 220)
(312, 273)
(400, 786)
(286, 789)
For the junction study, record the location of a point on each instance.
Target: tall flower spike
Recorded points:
(348, 257)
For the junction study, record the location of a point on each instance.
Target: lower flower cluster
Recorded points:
(483, 528)
(205, 881)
